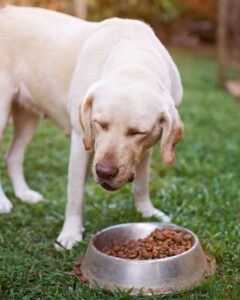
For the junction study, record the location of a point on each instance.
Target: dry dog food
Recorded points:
(160, 243)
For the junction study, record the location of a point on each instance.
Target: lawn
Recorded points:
(201, 191)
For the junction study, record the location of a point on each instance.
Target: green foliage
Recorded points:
(201, 192)
(152, 11)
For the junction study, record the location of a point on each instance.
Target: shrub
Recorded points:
(152, 11)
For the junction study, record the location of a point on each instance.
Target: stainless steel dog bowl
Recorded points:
(159, 276)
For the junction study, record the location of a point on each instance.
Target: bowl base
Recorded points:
(210, 270)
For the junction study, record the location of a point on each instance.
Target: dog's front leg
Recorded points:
(141, 193)
(72, 228)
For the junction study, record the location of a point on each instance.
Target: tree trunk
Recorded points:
(234, 27)
(221, 40)
(80, 8)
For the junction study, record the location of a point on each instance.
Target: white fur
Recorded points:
(49, 63)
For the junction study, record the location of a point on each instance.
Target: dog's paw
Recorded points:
(71, 233)
(67, 240)
(29, 196)
(161, 215)
(154, 212)
(5, 205)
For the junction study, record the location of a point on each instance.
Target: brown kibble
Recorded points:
(149, 247)
(165, 246)
(160, 243)
(154, 253)
(162, 237)
(105, 249)
(166, 232)
(132, 254)
(145, 254)
(187, 237)
(116, 248)
(177, 238)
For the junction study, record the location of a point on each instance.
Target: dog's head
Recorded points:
(121, 119)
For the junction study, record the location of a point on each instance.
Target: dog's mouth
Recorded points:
(108, 187)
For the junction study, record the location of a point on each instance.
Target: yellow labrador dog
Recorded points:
(111, 86)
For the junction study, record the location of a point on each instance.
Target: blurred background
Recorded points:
(202, 25)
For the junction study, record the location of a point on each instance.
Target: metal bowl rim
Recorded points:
(156, 260)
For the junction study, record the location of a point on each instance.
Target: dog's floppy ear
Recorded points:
(172, 132)
(85, 121)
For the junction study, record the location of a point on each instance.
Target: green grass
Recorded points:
(201, 191)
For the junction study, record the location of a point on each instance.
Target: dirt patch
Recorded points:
(77, 270)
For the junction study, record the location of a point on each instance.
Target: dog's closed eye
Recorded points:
(102, 124)
(135, 132)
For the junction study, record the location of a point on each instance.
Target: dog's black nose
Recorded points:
(105, 171)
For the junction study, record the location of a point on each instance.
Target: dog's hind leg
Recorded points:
(7, 93)
(25, 123)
